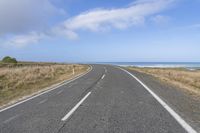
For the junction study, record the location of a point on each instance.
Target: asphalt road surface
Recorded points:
(105, 100)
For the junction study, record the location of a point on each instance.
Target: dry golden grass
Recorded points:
(180, 77)
(19, 81)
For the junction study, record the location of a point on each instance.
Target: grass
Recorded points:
(17, 81)
(183, 78)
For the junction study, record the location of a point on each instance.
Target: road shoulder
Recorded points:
(42, 91)
(182, 102)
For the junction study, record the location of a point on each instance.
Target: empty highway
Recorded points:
(107, 99)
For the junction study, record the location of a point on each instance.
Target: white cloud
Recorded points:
(22, 16)
(27, 14)
(160, 19)
(121, 18)
(60, 31)
(23, 40)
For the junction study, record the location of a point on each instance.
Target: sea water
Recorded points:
(188, 65)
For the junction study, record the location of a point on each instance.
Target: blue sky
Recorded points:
(100, 31)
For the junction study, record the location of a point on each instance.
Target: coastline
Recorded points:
(186, 65)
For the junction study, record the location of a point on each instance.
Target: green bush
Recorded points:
(9, 59)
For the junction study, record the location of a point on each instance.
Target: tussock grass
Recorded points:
(180, 77)
(17, 81)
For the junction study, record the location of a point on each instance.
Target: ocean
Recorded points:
(188, 65)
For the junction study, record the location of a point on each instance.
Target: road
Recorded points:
(105, 100)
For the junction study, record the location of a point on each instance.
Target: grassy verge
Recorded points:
(23, 79)
(183, 78)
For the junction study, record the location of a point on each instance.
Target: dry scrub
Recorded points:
(18, 81)
(180, 77)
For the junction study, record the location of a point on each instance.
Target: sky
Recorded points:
(100, 30)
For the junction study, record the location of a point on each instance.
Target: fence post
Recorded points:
(73, 69)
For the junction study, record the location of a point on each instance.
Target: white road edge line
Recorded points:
(56, 87)
(103, 76)
(178, 118)
(75, 107)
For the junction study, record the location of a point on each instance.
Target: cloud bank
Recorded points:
(22, 19)
(22, 16)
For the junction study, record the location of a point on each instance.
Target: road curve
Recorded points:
(105, 100)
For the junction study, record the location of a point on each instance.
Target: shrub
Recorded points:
(9, 59)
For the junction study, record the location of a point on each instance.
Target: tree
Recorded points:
(8, 59)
